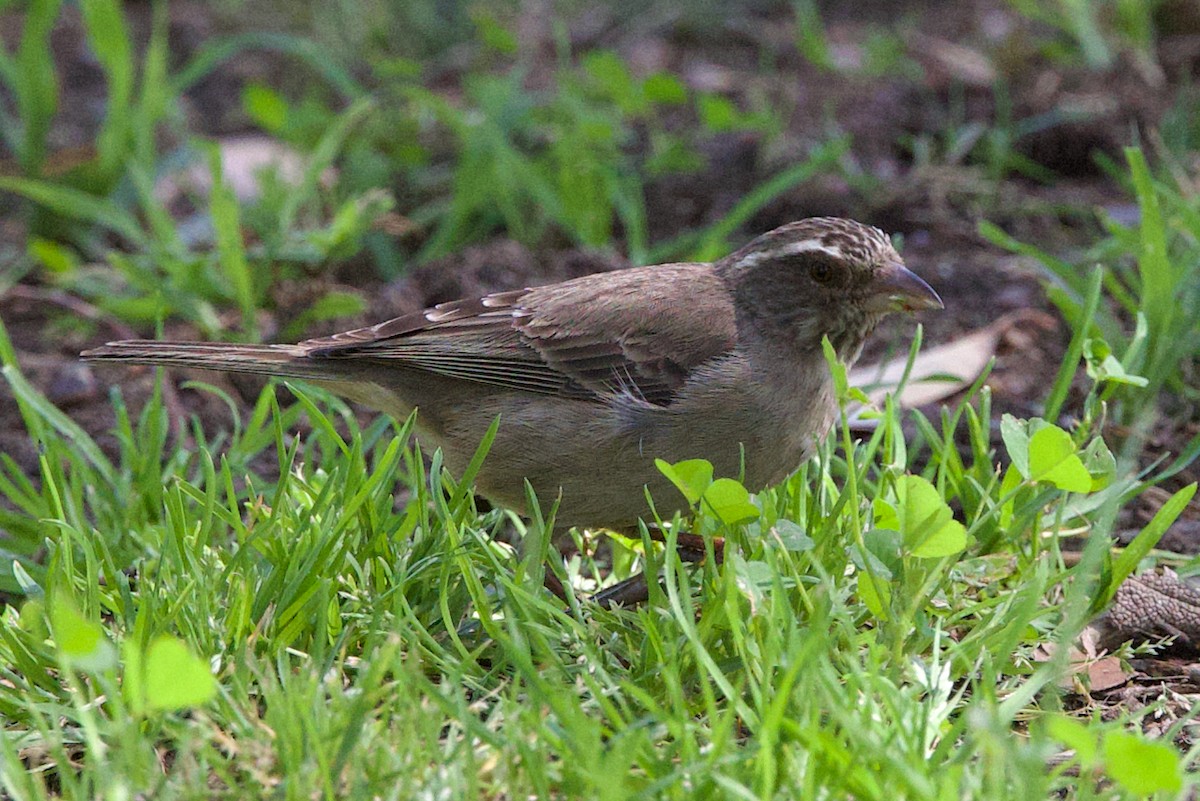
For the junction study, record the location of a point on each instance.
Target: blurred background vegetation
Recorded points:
(269, 170)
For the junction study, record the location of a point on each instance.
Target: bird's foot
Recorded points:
(636, 589)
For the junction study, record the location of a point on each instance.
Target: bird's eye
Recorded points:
(823, 272)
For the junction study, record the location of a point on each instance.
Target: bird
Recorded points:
(596, 377)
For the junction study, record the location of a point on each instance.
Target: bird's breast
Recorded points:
(741, 411)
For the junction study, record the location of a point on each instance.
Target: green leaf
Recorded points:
(1012, 480)
(691, 476)
(494, 35)
(717, 114)
(80, 642)
(882, 553)
(266, 107)
(352, 219)
(885, 514)
(665, 88)
(792, 536)
(609, 70)
(154, 99)
(753, 578)
(1015, 434)
(1140, 766)
(146, 310)
(730, 501)
(1102, 365)
(875, 593)
(28, 584)
(133, 677)
(1074, 735)
(335, 304)
(1100, 463)
(54, 257)
(1052, 459)
(856, 395)
(175, 678)
(321, 159)
(927, 523)
(32, 619)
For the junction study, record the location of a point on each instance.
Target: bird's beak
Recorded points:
(896, 288)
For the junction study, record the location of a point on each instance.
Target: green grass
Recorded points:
(347, 626)
(1095, 32)
(305, 607)
(1130, 299)
(564, 162)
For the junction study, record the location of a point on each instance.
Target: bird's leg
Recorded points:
(636, 589)
(691, 546)
(551, 551)
(551, 582)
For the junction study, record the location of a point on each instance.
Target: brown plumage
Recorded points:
(595, 377)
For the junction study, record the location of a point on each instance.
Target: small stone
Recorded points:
(72, 383)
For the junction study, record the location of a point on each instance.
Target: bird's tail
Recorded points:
(291, 361)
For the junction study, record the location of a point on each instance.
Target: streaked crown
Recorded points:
(823, 276)
(852, 243)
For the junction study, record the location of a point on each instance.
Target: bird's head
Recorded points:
(823, 276)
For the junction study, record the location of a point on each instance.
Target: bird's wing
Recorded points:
(639, 332)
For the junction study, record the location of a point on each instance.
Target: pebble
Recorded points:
(72, 383)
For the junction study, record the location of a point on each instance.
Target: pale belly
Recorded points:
(601, 457)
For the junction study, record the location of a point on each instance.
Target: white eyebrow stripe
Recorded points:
(804, 246)
(810, 245)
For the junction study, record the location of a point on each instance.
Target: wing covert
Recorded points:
(639, 332)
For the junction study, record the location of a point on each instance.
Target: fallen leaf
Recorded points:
(938, 372)
(1106, 673)
(952, 61)
(242, 159)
